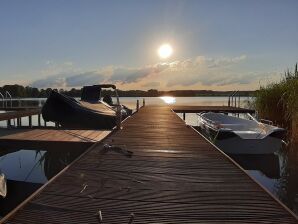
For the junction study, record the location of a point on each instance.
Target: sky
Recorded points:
(217, 44)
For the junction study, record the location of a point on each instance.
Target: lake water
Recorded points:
(27, 169)
(278, 173)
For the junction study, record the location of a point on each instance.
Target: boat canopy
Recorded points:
(93, 93)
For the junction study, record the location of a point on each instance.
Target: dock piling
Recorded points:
(39, 120)
(30, 121)
(8, 123)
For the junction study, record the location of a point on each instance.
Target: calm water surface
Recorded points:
(28, 169)
(278, 173)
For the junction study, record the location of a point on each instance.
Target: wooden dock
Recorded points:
(19, 114)
(173, 176)
(49, 138)
(18, 108)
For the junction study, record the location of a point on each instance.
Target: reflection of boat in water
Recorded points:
(55, 161)
(17, 192)
(27, 170)
(89, 112)
(268, 164)
(240, 136)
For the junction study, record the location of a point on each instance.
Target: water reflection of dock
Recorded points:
(173, 176)
(266, 164)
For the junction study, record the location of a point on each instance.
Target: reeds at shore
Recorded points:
(279, 101)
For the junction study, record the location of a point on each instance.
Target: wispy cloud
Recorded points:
(199, 72)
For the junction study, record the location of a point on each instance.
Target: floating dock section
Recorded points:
(49, 138)
(173, 176)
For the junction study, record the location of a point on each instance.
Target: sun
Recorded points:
(165, 51)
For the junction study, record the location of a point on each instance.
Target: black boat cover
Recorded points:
(71, 113)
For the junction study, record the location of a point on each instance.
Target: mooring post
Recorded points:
(118, 114)
(19, 121)
(137, 107)
(30, 121)
(39, 122)
(45, 123)
(143, 102)
(184, 116)
(8, 123)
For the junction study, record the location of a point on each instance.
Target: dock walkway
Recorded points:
(49, 138)
(173, 176)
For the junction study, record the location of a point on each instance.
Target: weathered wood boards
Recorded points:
(49, 137)
(173, 176)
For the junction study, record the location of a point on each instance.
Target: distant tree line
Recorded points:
(23, 92)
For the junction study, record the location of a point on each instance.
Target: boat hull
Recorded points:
(230, 142)
(71, 114)
(235, 145)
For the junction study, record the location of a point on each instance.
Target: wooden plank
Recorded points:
(25, 137)
(19, 114)
(173, 176)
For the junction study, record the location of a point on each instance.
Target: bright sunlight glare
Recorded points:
(168, 99)
(165, 51)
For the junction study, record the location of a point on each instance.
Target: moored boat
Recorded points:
(236, 135)
(90, 112)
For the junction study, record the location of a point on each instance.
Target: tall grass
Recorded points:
(279, 101)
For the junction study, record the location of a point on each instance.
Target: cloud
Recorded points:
(57, 81)
(199, 72)
(110, 74)
(151, 84)
(86, 78)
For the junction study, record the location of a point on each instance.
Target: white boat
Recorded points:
(236, 135)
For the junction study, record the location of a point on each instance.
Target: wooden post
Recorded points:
(39, 122)
(8, 123)
(137, 107)
(19, 122)
(143, 102)
(184, 116)
(45, 123)
(30, 121)
(119, 118)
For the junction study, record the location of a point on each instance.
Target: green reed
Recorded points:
(279, 101)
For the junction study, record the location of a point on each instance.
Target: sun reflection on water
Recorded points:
(168, 99)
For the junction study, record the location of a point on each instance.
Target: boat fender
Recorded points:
(3, 187)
